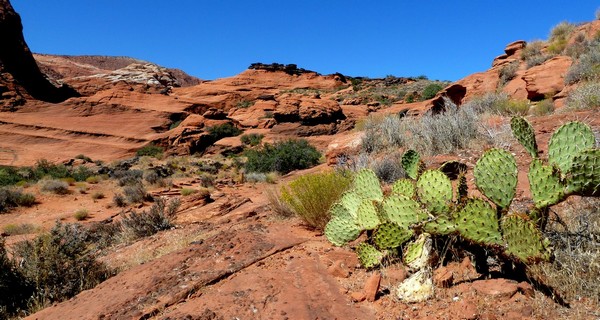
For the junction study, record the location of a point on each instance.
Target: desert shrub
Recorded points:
(310, 196)
(119, 200)
(146, 223)
(532, 54)
(135, 193)
(283, 156)
(512, 108)
(252, 139)
(128, 177)
(223, 130)
(431, 134)
(188, 191)
(10, 176)
(150, 150)
(70, 180)
(83, 157)
(486, 103)
(15, 289)
(244, 104)
(45, 168)
(388, 169)
(579, 46)
(152, 177)
(92, 179)
(576, 241)
(206, 180)
(543, 107)
(587, 68)
(508, 72)
(559, 35)
(81, 214)
(97, 195)
(81, 173)
(54, 186)
(431, 90)
(16, 229)
(11, 197)
(255, 177)
(59, 264)
(585, 97)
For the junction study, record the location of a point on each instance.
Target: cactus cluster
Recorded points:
(425, 206)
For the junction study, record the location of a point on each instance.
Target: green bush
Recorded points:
(310, 196)
(81, 214)
(559, 35)
(431, 90)
(10, 198)
(283, 156)
(587, 68)
(252, 139)
(150, 151)
(15, 289)
(542, 108)
(223, 130)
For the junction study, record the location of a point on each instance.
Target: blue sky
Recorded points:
(214, 39)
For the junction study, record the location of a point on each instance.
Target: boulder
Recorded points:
(546, 79)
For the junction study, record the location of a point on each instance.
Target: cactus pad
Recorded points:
(567, 141)
(404, 187)
(434, 189)
(417, 253)
(366, 215)
(410, 163)
(340, 230)
(368, 256)
(338, 210)
(390, 235)
(545, 184)
(524, 239)
(477, 222)
(584, 176)
(523, 131)
(366, 185)
(496, 176)
(441, 225)
(402, 211)
(350, 200)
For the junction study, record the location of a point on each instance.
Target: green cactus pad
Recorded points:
(368, 255)
(340, 230)
(567, 141)
(523, 131)
(338, 210)
(404, 187)
(496, 176)
(524, 239)
(545, 184)
(350, 200)
(410, 163)
(366, 215)
(366, 185)
(584, 175)
(442, 225)
(453, 169)
(477, 222)
(402, 211)
(434, 189)
(390, 235)
(417, 253)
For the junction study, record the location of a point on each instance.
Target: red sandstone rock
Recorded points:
(500, 289)
(372, 286)
(547, 78)
(338, 269)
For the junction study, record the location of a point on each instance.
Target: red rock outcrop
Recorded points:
(546, 79)
(20, 76)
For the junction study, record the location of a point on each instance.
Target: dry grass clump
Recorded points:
(533, 54)
(159, 217)
(55, 186)
(16, 229)
(575, 272)
(585, 97)
(310, 196)
(587, 68)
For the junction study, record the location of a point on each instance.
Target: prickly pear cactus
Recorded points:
(584, 175)
(567, 141)
(434, 189)
(366, 215)
(477, 222)
(402, 211)
(524, 239)
(368, 255)
(338, 210)
(440, 225)
(523, 131)
(404, 187)
(545, 184)
(390, 235)
(417, 253)
(496, 176)
(366, 185)
(350, 200)
(340, 230)
(410, 163)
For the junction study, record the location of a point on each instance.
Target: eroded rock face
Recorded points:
(20, 76)
(546, 79)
